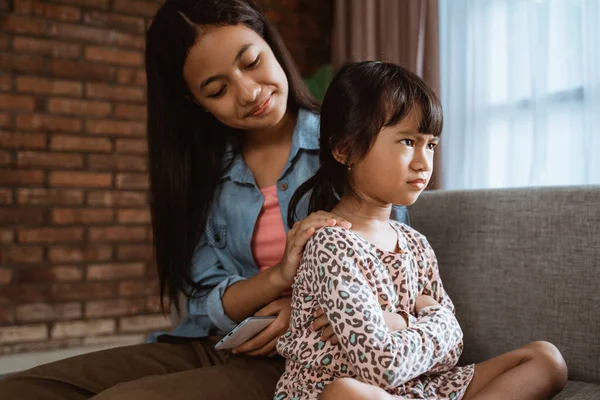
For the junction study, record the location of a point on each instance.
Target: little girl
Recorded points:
(388, 328)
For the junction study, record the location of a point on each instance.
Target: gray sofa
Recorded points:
(522, 265)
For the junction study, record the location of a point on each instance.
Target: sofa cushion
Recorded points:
(576, 390)
(520, 265)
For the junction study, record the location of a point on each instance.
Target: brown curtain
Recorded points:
(404, 32)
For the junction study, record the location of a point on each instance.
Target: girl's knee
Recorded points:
(554, 364)
(351, 389)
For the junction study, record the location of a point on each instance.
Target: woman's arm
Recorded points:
(380, 357)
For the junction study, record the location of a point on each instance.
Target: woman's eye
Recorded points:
(217, 94)
(431, 146)
(253, 63)
(408, 142)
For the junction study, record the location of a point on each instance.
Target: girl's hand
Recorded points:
(297, 238)
(424, 301)
(264, 343)
(322, 323)
(395, 322)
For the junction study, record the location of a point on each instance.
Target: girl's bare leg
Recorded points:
(352, 389)
(532, 372)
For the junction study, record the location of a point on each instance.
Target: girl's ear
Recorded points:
(339, 156)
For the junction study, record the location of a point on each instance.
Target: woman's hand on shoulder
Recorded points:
(299, 235)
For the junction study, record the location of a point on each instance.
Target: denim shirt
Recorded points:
(223, 255)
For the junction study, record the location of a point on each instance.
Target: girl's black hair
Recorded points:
(186, 146)
(362, 99)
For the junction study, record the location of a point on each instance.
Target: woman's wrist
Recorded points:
(276, 277)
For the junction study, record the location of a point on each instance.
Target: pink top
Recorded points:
(268, 240)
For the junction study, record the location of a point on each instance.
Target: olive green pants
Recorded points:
(190, 369)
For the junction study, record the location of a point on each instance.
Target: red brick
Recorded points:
(47, 345)
(21, 177)
(48, 123)
(131, 146)
(131, 111)
(79, 107)
(79, 70)
(72, 254)
(17, 140)
(5, 276)
(5, 121)
(49, 86)
(112, 308)
(79, 179)
(16, 102)
(114, 21)
(4, 42)
(5, 158)
(132, 77)
(25, 333)
(132, 181)
(138, 288)
(50, 235)
(111, 127)
(153, 304)
(83, 328)
(144, 323)
(114, 56)
(82, 32)
(49, 160)
(115, 271)
(46, 47)
(117, 163)
(62, 273)
(22, 64)
(133, 216)
(135, 252)
(115, 340)
(21, 216)
(6, 197)
(6, 236)
(117, 198)
(102, 4)
(36, 312)
(77, 143)
(48, 10)
(18, 24)
(44, 197)
(7, 315)
(22, 255)
(137, 7)
(84, 291)
(86, 216)
(5, 82)
(132, 41)
(117, 234)
(117, 93)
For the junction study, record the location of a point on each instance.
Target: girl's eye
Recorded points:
(217, 94)
(408, 142)
(253, 63)
(431, 145)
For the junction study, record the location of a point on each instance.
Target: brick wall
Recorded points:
(75, 253)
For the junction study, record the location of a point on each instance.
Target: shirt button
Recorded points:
(217, 237)
(283, 186)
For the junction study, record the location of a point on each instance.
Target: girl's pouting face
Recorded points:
(233, 74)
(398, 166)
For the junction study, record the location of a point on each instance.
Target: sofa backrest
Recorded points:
(520, 265)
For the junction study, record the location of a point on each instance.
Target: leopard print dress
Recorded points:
(353, 282)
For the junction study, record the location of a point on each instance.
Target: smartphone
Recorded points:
(245, 331)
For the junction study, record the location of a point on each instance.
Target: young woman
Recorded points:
(387, 328)
(232, 133)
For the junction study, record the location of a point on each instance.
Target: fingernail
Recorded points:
(347, 225)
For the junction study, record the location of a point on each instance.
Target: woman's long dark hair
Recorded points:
(363, 98)
(186, 145)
